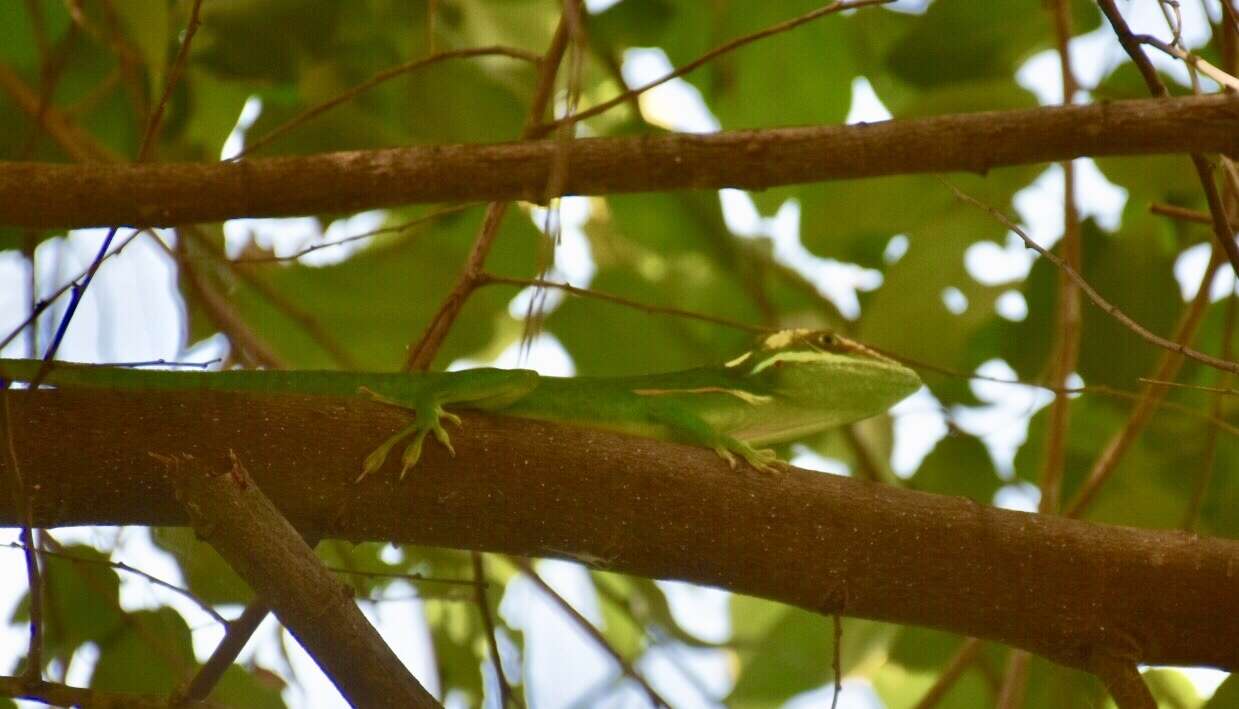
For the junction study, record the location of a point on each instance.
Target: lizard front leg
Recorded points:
(482, 389)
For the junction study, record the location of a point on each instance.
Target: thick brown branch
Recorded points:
(1063, 588)
(229, 511)
(43, 195)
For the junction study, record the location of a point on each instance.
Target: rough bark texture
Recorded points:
(41, 195)
(230, 512)
(1066, 589)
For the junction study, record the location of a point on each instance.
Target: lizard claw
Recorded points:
(441, 435)
(763, 459)
(427, 421)
(412, 453)
(378, 456)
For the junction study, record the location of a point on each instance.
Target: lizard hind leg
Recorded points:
(430, 417)
(484, 389)
(378, 456)
(427, 419)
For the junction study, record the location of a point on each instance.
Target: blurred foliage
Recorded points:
(102, 69)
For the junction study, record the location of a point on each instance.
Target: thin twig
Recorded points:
(411, 578)
(122, 566)
(386, 74)
(1183, 213)
(1123, 682)
(74, 141)
(34, 579)
(1098, 389)
(589, 629)
(308, 323)
(51, 69)
(75, 298)
(1209, 458)
(1105, 465)
(506, 696)
(1105, 305)
(45, 303)
(235, 638)
(836, 660)
(1067, 311)
(748, 253)
(487, 279)
(710, 55)
(1191, 59)
(395, 229)
(1222, 230)
(422, 354)
(174, 76)
(1014, 681)
(558, 172)
(252, 347)
(144, 149)
(955, 667)
(63, 695)
(1196, 387)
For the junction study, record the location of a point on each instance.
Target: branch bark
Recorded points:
(228, 510)
(39, 195)
(1066, 589)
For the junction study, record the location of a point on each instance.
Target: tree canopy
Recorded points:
(408, 185)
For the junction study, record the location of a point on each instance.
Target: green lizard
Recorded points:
(794, 383)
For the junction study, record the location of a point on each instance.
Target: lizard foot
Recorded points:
(428, 421)
(413, 452)
(763, 459)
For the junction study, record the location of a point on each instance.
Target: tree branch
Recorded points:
(41, 195)
(1062, 588)
(230, 512)
(1123, 682)
(63, 695)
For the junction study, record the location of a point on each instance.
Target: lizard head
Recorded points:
(825, 371)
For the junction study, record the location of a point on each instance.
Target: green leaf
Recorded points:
(643, 601)
(366, 563)
(1149, 487)
(914, 291)
(81, 601)
(1051, 685)
(765, 83)
(786, 650)
(459, 644)
(256, 688)
(212, 112)
(958, 465)
(900, 688)
(1133, 271)
(954, 41)
(1226, 695)
(620, 630)
(208, 576)
(236, 38)
(378, 301)
(148, 26)
(1171, 688)
(664, 251)
(633, 23)
(19, 46)
(150, 652)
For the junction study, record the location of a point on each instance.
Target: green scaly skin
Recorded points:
(793, 384)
